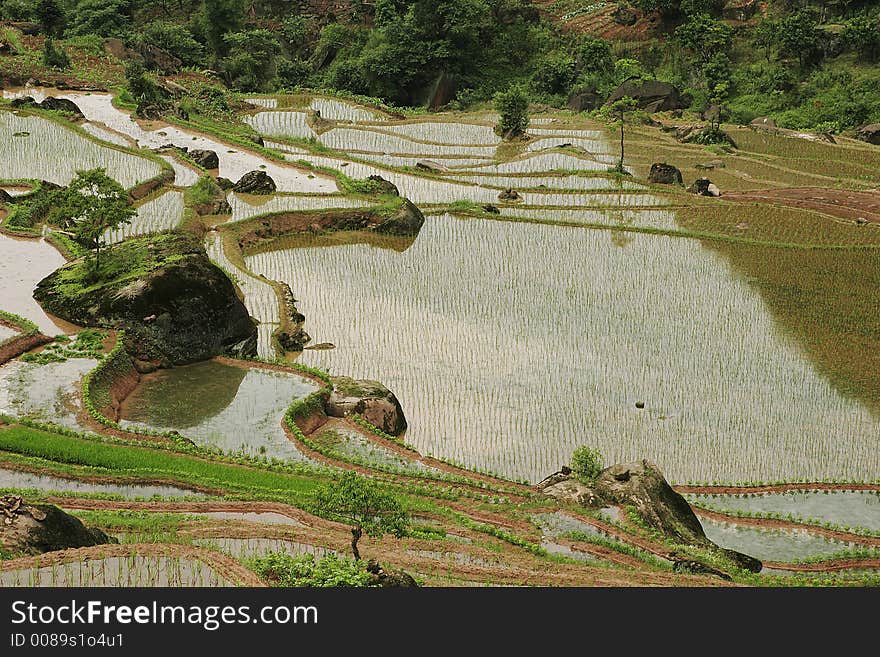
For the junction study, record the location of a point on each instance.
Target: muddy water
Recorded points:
(48, 393)
(232, 408)
(509, 345)
(23, 264)
(27, 480)
(771, 544)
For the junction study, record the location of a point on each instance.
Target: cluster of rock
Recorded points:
(662, 173)
(51, 103)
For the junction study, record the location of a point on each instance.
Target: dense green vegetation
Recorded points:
(809, 65)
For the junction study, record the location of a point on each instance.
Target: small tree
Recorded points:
(93, 204)
(513, 106)
(51, 18)
(586, 463)
(362, 504)
(620, 108)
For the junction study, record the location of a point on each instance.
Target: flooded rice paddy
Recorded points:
(235, 409)
(29, 480)
(129, 571)
(48, 393)
(784, 545)
(843, 508)
(548, 337)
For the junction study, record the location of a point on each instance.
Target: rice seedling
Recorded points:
(248, 548)
(247, 206)
(445, 132)
(595, 146)
(268, 103)
(184, 176)
(371, 141)
(105, 135)
(714, 406)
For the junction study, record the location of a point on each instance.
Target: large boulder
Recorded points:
(23, 102)
(158, 59)
(869, 133)
(641, 485)
(407, 220)
(384, 187)
(651, 95)
(255, 182)
(370, 399)
(431, 167)
(34, 529)
(665, 174)
(584, 100)
(205, 158)
(174, 304)
(62, 105)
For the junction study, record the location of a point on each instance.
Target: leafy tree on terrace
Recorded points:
(221, 17)
(513, 106)
(174, 39)
(362, 504)
(620, 109)
(798, 35)
(90, 206)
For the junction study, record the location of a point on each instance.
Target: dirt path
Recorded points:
(825, 566)
(844, 204)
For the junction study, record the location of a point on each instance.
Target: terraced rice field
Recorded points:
(34, 147)
(164, 212)
(131, 571)
(23, 264)
(843, 508)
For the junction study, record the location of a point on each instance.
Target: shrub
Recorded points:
(513, 106)
(54, 56)
(282, 570)
(586, 463)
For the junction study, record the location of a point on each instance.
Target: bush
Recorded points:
(174, 39)
(513, 106)
(586, 463)
(282, 570)
(54, 56)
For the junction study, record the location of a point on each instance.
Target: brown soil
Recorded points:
(842, 204)
(825, 566)
(774, 523)
(22, 344)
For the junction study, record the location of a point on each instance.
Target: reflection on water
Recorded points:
(233, 408)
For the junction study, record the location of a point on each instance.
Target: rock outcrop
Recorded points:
(641, 485)
(704, 187)
(174, 304)
(869, 133)
(384, 187)
(665, 174)
(370, 399)
(584, 100)
(255, 182)
(205, 158)
(34, 529)
(408, 220)
(651, 95)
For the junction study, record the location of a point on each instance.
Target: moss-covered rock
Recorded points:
(376, 403)
(174, 304)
